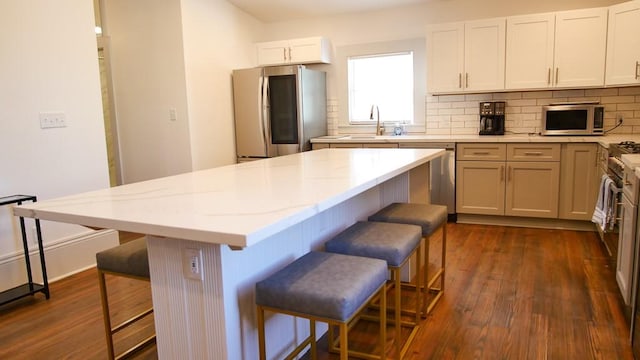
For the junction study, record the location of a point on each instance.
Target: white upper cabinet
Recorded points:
(295, 51)
(466, 56)
(623, 46)
(560, 50)
(530, 42)
(484, 50)
(580, 47)
(445, 57)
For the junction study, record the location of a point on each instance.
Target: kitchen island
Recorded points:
(241, 223)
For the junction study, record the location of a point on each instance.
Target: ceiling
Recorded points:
(282, 10)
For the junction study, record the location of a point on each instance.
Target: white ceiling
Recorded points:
(282, 10)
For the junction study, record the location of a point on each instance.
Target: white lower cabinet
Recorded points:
(624, 267)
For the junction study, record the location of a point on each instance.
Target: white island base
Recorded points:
(243, 222)
(195, 319)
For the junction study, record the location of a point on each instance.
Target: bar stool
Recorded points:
(128, 260)
(319, 286)
(430, 218)
(394, 243)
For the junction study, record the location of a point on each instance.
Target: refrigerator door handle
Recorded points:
(264, 124)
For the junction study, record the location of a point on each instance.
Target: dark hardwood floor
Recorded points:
(511, 293)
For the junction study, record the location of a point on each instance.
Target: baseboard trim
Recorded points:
(64, 257)
(559, 224)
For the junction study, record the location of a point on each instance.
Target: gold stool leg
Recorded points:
(439, 275)
(312, 335)
(383, 323)
(104, 299)
(344, 351)
(397, 310)
(261, 335)
(444, 253)
(419, 281)
(424, 287)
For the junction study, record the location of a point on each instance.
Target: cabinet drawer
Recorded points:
(380, 145)
(317, 146)
(488, 151)
(346, 145)
(533, 152)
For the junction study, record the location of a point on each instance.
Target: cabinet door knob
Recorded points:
(557, 70)
(466, 76)
(284, 54)
(549, 76)
(460, 80)
(501, 173)
(637, 72)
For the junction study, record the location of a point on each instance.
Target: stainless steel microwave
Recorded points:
(572, 119)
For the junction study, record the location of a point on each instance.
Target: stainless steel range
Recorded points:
(621, 171)
(615, 171)
(616, 166)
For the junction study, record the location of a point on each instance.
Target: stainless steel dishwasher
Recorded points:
(443, 175)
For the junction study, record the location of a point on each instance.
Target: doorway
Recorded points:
(110, 125)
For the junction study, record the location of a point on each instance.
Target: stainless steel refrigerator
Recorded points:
(278, 110)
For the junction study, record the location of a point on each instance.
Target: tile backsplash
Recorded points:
(459, 114)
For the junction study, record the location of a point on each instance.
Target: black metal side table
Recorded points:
(30, 288)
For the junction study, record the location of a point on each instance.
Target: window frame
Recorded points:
(350, 96)
(417, 46)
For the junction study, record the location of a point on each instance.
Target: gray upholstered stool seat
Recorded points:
(394, 243)
(326, 287)
(430, 218)
(129, 260)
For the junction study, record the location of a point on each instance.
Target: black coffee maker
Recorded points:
(492, 118)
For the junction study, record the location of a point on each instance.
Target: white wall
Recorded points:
(409, 22)
(176, 54)
(48, 63)
(147, 64)
(218, 38)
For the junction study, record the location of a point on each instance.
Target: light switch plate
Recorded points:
(52, 120)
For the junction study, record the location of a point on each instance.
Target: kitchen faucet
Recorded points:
(379, 129)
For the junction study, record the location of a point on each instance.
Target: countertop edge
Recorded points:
(603, 140)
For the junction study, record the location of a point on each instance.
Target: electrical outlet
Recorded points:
(620, 118)
(52, 120)
(192, 264)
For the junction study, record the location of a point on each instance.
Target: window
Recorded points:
(383, 80)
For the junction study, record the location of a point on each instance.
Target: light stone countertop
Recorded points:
(631, 160)
(237, 205)
(604, 140)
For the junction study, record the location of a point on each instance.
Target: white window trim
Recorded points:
(419, 83)
(350, 94)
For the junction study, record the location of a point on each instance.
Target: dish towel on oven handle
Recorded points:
(603, 214)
